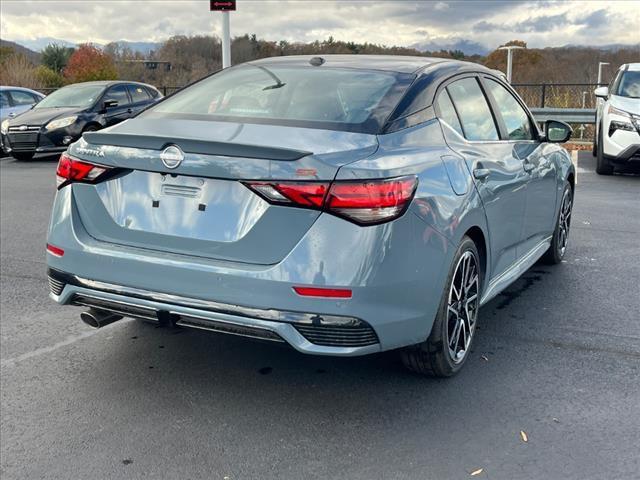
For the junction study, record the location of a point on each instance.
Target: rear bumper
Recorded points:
(396, 272)
(306, 332)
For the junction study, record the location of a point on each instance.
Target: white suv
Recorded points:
(617, 138)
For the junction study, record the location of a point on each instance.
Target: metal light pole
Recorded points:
(226, 41)
(600, 64)
(509, 50)
(224, 7)
(584, 103)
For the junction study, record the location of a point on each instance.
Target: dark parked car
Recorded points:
(62, 117)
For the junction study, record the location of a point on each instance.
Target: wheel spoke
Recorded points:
(471, 283)
(455, 337)
(456, 292)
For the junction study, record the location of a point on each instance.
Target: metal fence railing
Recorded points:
(557, 95)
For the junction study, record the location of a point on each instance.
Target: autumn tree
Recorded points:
(48, 78)
(525, 61)
(16, 69)
(89, 63)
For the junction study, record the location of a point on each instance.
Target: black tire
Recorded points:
(558, 247)
(603, 167)
(91, 128)
(22, 156)
(433, 357)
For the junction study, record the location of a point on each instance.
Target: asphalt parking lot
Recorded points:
(557, 357)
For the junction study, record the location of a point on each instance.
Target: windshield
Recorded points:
(629, 85)
(306, 96)
(72, 96)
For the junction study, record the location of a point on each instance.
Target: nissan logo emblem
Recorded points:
(172, 156)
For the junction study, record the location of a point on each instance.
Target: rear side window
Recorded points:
(22, 98)
(447, 113)
(117, 93)
(475, 115)
(299, 96)
(153, 92)
(515, 118)
(138, 93)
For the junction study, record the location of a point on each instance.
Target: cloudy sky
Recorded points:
(489, 23)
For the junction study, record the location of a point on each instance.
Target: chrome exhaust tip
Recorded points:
(99, 318)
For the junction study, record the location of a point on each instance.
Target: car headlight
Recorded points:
(616, 111)
(4, 127)
(61, 123)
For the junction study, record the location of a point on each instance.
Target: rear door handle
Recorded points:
(481, 173)
(129, 110)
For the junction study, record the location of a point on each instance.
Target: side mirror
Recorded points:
(601, 92)
(557, 132)
(110, 104)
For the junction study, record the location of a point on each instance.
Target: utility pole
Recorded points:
(600, 65)
(510, 50)
(224, 7)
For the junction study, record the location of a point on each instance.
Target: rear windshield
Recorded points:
(313, 97)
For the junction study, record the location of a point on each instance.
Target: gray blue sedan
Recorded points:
(343, 205)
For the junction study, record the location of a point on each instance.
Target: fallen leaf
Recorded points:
(477, 472)
(524, 437)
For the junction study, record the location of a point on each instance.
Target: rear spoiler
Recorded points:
(203, 147)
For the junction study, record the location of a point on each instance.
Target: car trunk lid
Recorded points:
(201, 207)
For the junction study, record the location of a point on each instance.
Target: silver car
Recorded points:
(16, 100)
(343, 205)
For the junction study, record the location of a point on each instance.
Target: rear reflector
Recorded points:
(364, 202)
(323, 292)
(53, 250)
(72, 170)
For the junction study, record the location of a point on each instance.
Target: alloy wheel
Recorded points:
(564, 222)
(462, 308)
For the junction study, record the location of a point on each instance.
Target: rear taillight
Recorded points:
(72, 170)
(366, 202)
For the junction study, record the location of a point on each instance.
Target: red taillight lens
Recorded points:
(72, 170)
(373, 201)
(363, 202)
(323, 292)
(300, 194)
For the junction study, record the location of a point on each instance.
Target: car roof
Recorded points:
(109, 83)
(391, 63)
(24, 89)
(631, 67)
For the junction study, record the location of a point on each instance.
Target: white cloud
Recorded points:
(390, 23)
